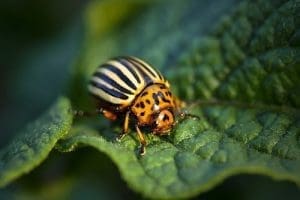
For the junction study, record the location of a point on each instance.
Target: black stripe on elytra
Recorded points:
(105, 102)
(119, 73)
(125, 63)
(143, 65)
(111, 82)
(109, 91)
(145, 76)
(159, 74)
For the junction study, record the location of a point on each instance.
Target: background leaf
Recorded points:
(251, 57)
(39, 42)
(35, 142)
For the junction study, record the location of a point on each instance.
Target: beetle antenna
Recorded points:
(184, 115)
(81, 113)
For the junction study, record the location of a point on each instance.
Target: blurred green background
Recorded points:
(39, 41)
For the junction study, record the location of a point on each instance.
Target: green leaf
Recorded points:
(34, 143)
(199, 154)
(238, 65)
(250, 57)
(247, 68)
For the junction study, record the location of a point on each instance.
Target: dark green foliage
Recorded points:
(33, 145)
(237, 66)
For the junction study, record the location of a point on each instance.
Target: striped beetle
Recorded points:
(128, 87)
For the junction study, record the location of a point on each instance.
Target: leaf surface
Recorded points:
(33, 144)
(199, 154)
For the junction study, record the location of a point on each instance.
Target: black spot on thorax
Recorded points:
(144, 94)
(162, 87)
(161, 95)
(155, 97)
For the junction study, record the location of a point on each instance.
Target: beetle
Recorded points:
(127, 87)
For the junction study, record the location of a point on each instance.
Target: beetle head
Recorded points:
(164, 122)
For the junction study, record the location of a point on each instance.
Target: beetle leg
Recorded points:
(142, 141)
(125, 127)
(109, 115)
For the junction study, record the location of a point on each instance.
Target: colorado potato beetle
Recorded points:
(127, 87)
